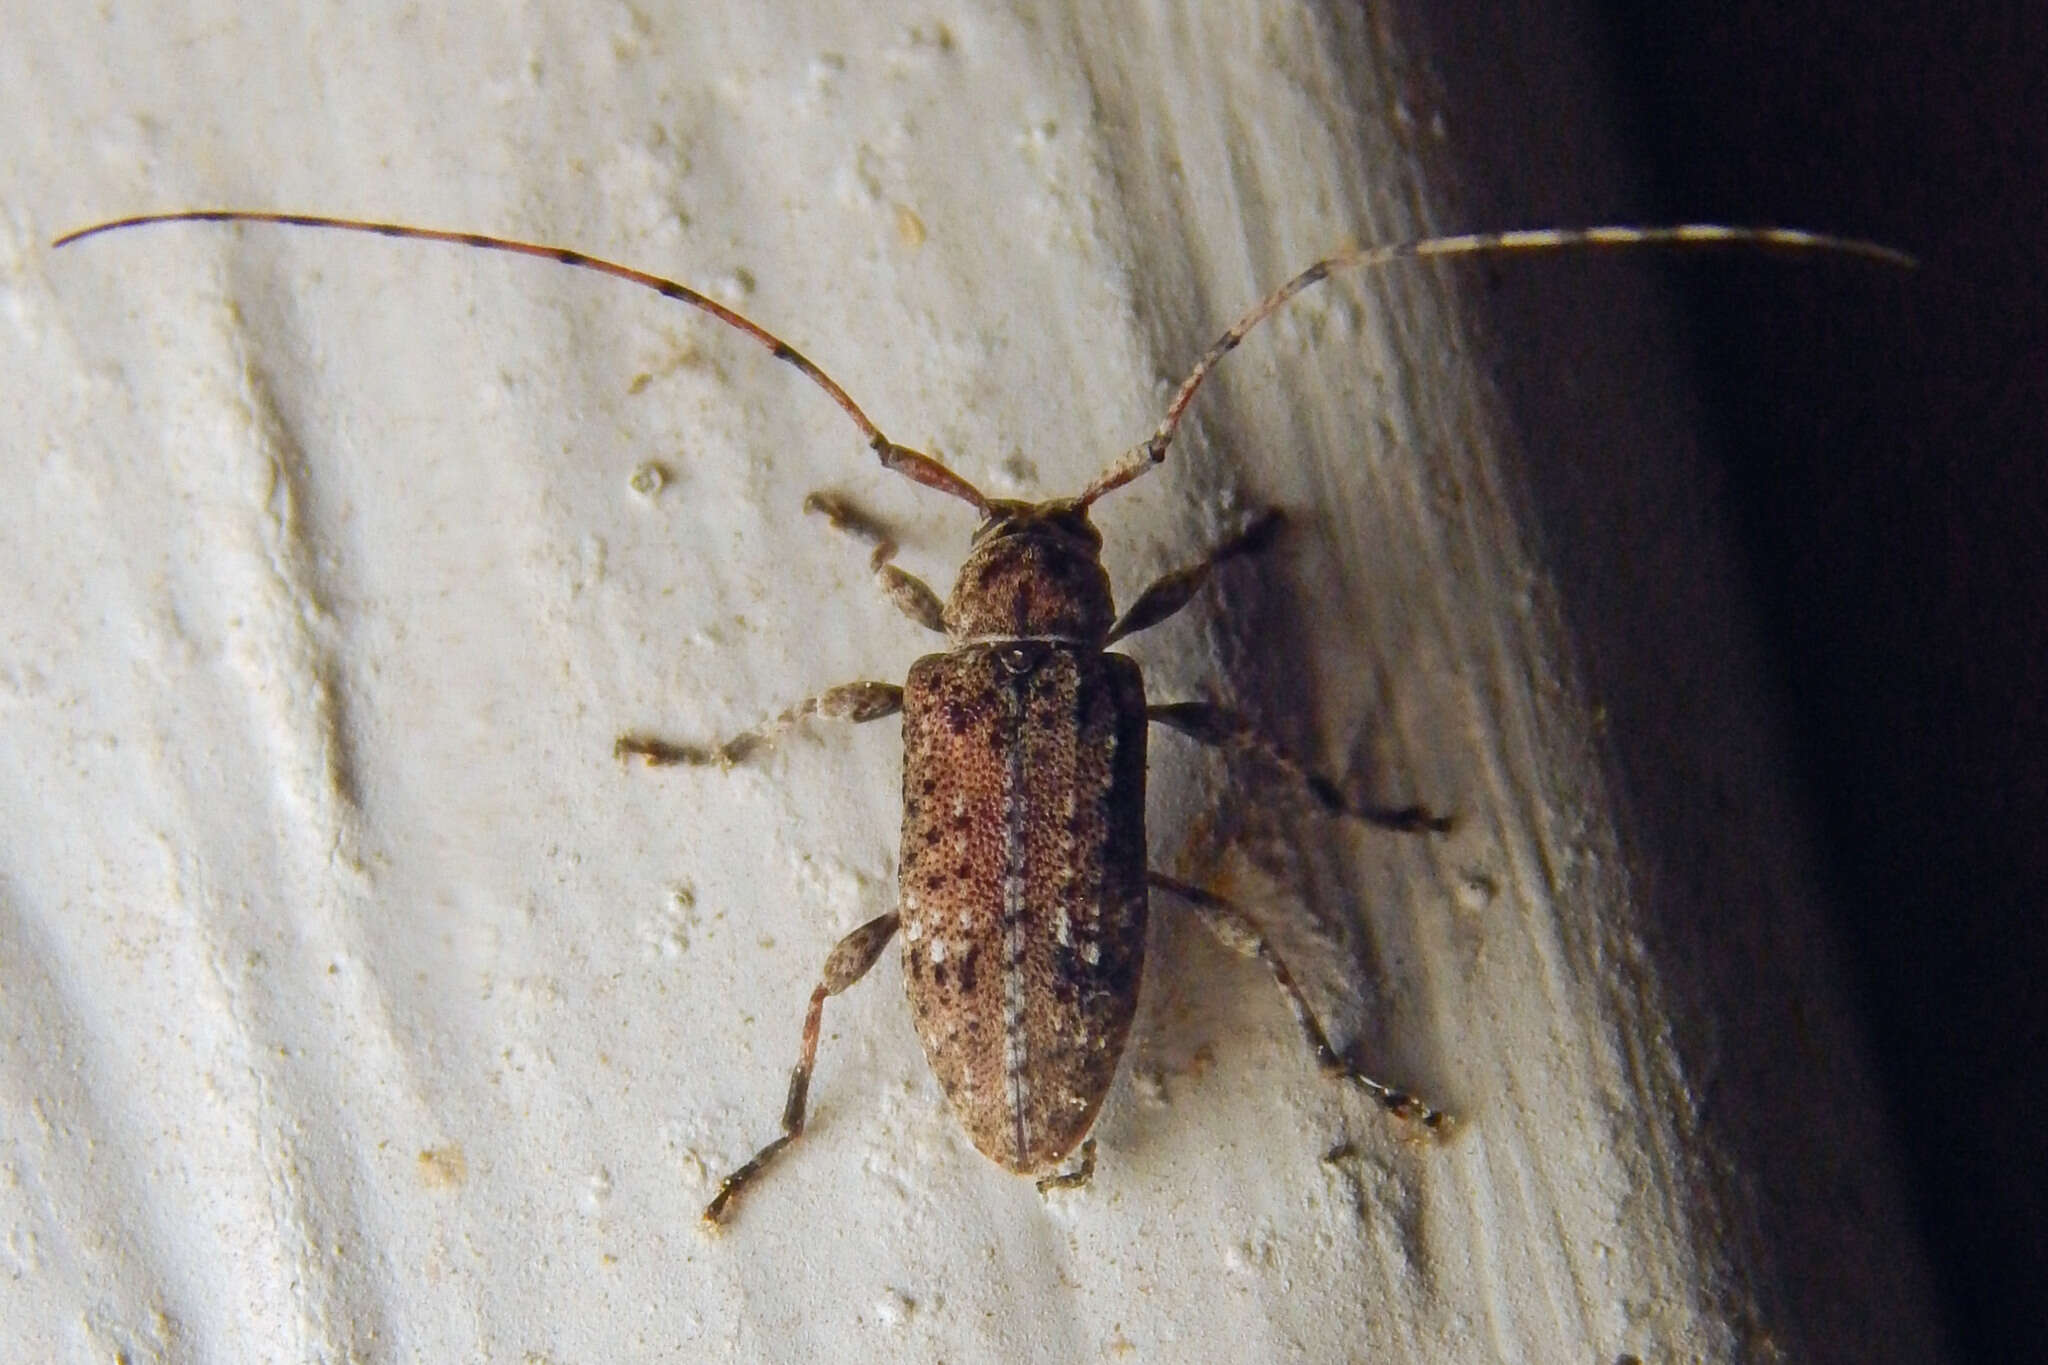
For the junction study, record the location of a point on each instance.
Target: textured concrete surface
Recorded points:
(361, 1007)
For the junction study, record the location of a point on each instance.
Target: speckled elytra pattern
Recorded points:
(1023, 876)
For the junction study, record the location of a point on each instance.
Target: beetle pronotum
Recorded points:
(1024, 888)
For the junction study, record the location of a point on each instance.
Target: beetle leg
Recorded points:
(1237, 930)
(1170, 592)
(848, 963)
(856, 702)
(910, 594)
(1221, 726)
(1082, 1172)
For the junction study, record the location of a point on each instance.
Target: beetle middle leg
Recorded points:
(1221, 726)
(1237, 930)
(855, 701)
(848, 963)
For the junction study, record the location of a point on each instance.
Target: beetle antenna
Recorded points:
(912, 464)
(1152, 450)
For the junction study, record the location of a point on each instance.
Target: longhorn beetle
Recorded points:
(1022, 866)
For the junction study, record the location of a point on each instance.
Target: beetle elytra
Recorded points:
(1023, 883)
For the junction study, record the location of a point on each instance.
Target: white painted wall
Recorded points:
(360, 1006)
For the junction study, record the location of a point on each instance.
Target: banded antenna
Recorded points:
(929, 471)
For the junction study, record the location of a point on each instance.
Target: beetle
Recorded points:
(1024, 886)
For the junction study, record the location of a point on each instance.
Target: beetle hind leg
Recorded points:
(1073, 1178)
(1238, 931)
(848, 963)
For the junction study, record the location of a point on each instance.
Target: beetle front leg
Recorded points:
(1237, 930)
(848, 963)
(855, 702)
(1223, 727)
(908, 593)
(1170, 592)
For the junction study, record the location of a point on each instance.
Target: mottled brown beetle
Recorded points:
(1023, 877)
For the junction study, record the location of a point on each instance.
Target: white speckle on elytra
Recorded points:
(937, 952)
(1062, 928)
(914, 930)
(1091, 952)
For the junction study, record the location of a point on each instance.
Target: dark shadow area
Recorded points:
(1888, 469)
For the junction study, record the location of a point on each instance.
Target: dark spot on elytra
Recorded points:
(967, 968)
(929, 785)
(1066, 979)
(1116, 973)
(939, 975)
